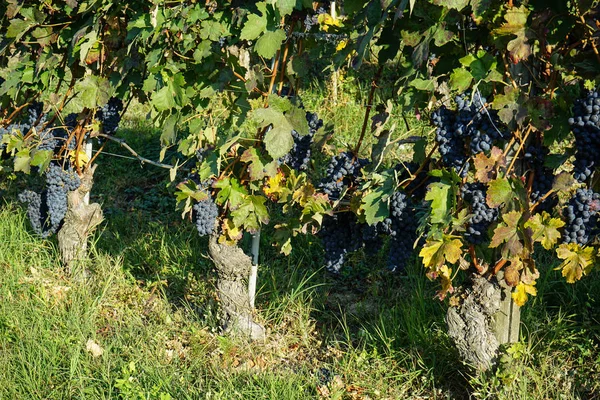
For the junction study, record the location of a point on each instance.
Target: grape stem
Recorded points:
(142, 160)
(368, 110)
(474, 258)
(523, 141)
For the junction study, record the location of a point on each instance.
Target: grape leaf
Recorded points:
(254, 27)
(460, 80)
(519, 295)
(455, 4)
(251, 213)
(508, 232)
(485, 166)
(437, 252)
(231, 192)
(578, 261)
(439, 195)
(269, 43)
(278, 139)
(499, 192)
(258, 166)
(545, 229)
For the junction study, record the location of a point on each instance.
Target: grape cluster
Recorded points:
(581, 215)
(585, 124)
(543, 177)
(341, 234)
(46, 211)
(110, 115)
(472, 125)
(401, 226)
(205, 213)
(299, 156)
(37, 212)
(483, 215)
(343, 171)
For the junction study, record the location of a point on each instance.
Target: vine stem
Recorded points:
(368, 110)
(474, 258)
(512, 162)
(499, 266)
(283, 65)
(541, 200)
(124, 144)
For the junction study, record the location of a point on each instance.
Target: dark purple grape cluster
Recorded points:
(585, 125)
(402, 227)
(472, 126)
(341, 234)
(483, 215)
(205, 214)
(110, 115)
(299, 157)
(343, 171)
(581, 215)
(543, 177)
(37, 212)
(46, 211)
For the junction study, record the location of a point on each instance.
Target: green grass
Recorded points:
(150, 303)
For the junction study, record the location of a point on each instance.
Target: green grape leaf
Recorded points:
(41, 159)
(93, 91)
(499, 192)
(254, 27)
(278, 140)
(230, 193)
(251, 213)
(578, 261)
(22, 162)
(460, 80)
(285, 7)
(258, 166)
(269, 43)
(455, 4)
(439, 195)
(544, 229)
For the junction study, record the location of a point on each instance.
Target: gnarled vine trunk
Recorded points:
(80, 221)
(233, 268)
(485, 318)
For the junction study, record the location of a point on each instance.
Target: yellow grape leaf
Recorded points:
(341, 45)
(436, 253)
(80, 161)
(578, 261)
(326, 20)
(274, 186)
(231, 233)
(485, 167)
(519, 295)
(545, 229)
(445, 275)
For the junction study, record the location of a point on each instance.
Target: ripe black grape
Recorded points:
(110, 115)
(341, 234)
(483, 216)
(581, 214)
(472, 126)
(299, 156)
(343, 171)
(205, 213)
(585, 125)
(402, 227)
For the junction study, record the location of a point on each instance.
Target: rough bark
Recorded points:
(480, 323)
(80, 221)
(233, 268)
